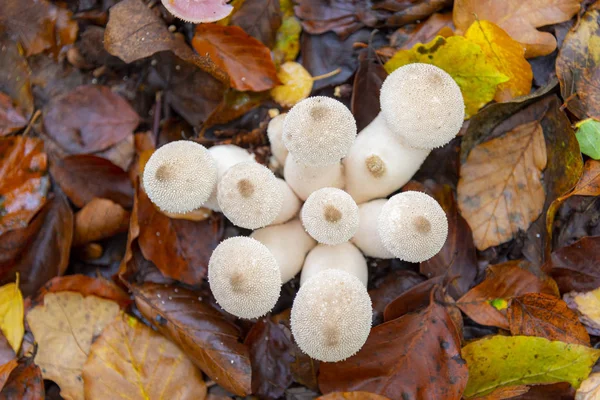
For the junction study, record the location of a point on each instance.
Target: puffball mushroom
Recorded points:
(250, 195)
(198, 11)
(290, 204)
(275, 134)
(289, 243)
(331, 316)
(413, 226)
(345, 257)
(330, 216)
(367, 237)
(305, 179)
(244, 277)
(422, 105)
(180, 176)
(319, 131)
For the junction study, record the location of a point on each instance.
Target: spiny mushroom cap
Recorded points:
(198, 11)
(244, 277)
(331, 316)
(249, 195)
(275, 134)
(423, 105)
(319, 131)
(413, 226)
(180, 176)
(330, 216)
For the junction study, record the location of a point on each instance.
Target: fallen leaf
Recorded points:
(507, 55)
(500, 361)
(588, 136)
(99, 219)
(575, 267)
(11, 314)
(503, 282)
(234, 105)
(519, 18)
(477, 74)
(15, 75)
(210, 340)
(351, 396)
(287, 42)
(590, 388)
(6, 351)
(89, 118)
(537, 314)
(246, 60)
(260, 19)
(507, 392)
(408, 36)
(64, 328)
(24, 383)
(365, 90)
(340, 16)
(411, 11)
(5, 371)
(500, 190)
(412, 300)
(415, 356)
(296, 84)
(131, 361)
(11, 119)
(587, 305)
(24, 182)
(391, 287)
(85, 177)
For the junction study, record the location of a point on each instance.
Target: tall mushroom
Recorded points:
(306, 179)
(367, 237)
(345, 257)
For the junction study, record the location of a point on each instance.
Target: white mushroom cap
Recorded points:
(250, 195)
(378, 163)
(345, 257)
(305, 179)
(226, 156)
(319, 131)
(331, 316)
(180, 176)
(367, 235)
(289, 243)
(290, 205)
(330, 216)
(423, 105)
(244, 277)
(413, 226)
(275, 134)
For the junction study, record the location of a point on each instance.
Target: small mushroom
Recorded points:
(305, 179)
(367, 237)
(244, 277)
(331, 316)
(330, 216)
(345, 257)
(290, 205)
(413, 226)
(250, 195)
(196, 11)
(180, 176)
(319, 131)
(275, 134)
(289, 243)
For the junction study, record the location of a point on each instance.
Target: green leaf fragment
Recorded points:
(588, 136)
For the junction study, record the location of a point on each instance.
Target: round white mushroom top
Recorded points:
(413, 226)
(331, 316)
(330, 216)
(180, 176)
(423, 105)
(319, 131)
(244, 277)
(250, 195)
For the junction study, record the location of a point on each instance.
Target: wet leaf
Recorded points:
(365, 92)
(588, 136)
(297, 84)
(351, 396)
(500, 361)
(89, 119)
(246, 60)
(99, 219)
(476, 74)
(11, 314)
(340, 16)
(64, 328)
(11, 119)
(393, 285)
(131, 361)
(500, 190)
(411, 11)
(85, 285)
(15, 75)
(408, 36)
(260, 19)
(412, 300)
(576, 267)
(24, 182)
(5, 370)
(519, 18)
(24, 383)
(210, 340)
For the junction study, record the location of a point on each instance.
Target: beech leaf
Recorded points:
(297, 84)
(11, 119)
(11, 314)
(99, 219)
(587, 305)
(24, 383)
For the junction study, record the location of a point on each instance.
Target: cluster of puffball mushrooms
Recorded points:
(337, 182)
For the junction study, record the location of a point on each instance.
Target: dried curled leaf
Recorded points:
(11, 314)
(297, 84)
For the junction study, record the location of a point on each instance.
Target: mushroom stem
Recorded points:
(345, 257)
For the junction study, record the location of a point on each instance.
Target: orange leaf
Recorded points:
(99, 219)
(351, 396)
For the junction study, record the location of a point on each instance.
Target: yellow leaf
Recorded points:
(477, 75)
(64, 328)
(11, 314)
(130, 361)
(508, 56)
(297, 84)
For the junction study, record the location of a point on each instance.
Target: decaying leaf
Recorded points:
(24, 383)
(351, 396)
(130, 361)
(15, 75)
(64, 328)
(575, 267)
(85, 285)
(587, 305)
(588, 136)
(590, 388)
(11, 314)
(340, 16)
(11, 119)
(5, 370)
(99, 219)
(287, 44)
(367, 84)
(260, 19)
(297, 84)
(500, 190)
(500, 361)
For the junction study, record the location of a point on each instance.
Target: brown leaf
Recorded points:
(507, 392)
(500, 190)
(6, 351)
(130, 361)
(259, 19)
(519, 18)
(15, 75)
(340, 16)
(89, 118)
(24, 383)
(99, 219)
(393, 285)
(416, 356)
(412, 300)
(84, 177)
(246, 60)
(576, 267)
(24, 182)
(503, 282)
(405, 12)
(537, 314)
(365, 93)
(407, 37)
(11, 119)
(351, 396)
(5, 371)
(210, 340)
